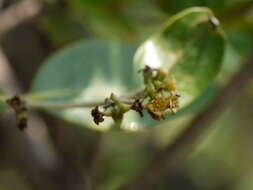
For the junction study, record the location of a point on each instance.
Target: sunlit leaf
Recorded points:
(190, 46)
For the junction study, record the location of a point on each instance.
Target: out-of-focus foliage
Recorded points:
(225, 155)
(16, 181)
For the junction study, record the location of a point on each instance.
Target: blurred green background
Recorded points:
(222, 160)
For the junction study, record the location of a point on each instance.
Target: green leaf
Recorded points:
(87, 71)
(190, 48)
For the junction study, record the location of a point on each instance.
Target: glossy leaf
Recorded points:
(87, 71)
(190, 47)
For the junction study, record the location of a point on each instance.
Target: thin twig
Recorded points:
(19, 13)
(71, 105)
(175, 152)
(67, 105)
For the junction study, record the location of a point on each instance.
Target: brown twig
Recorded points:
(19, 13)
(33, 156)
(183, 144)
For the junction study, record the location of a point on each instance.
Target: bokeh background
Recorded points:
(53, 154)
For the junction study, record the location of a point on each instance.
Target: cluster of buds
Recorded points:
(158, 96)
(161, 92)
(20, 110)
(113, 107)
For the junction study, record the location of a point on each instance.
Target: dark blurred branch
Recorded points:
(19, 13)
(35, 158)
(94, 154)
(236, 12)
(8, 81)
(178, 150)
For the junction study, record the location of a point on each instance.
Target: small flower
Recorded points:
(97, 115)
(173, 102)
(157, 106)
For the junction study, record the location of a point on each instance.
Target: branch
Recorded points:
(19, 13)
(177, 151)
(33, 104)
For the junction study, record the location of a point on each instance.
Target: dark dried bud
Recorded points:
(97, 115)
(22, 123)
(137, 106)
(15, 102)
(20, 110)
